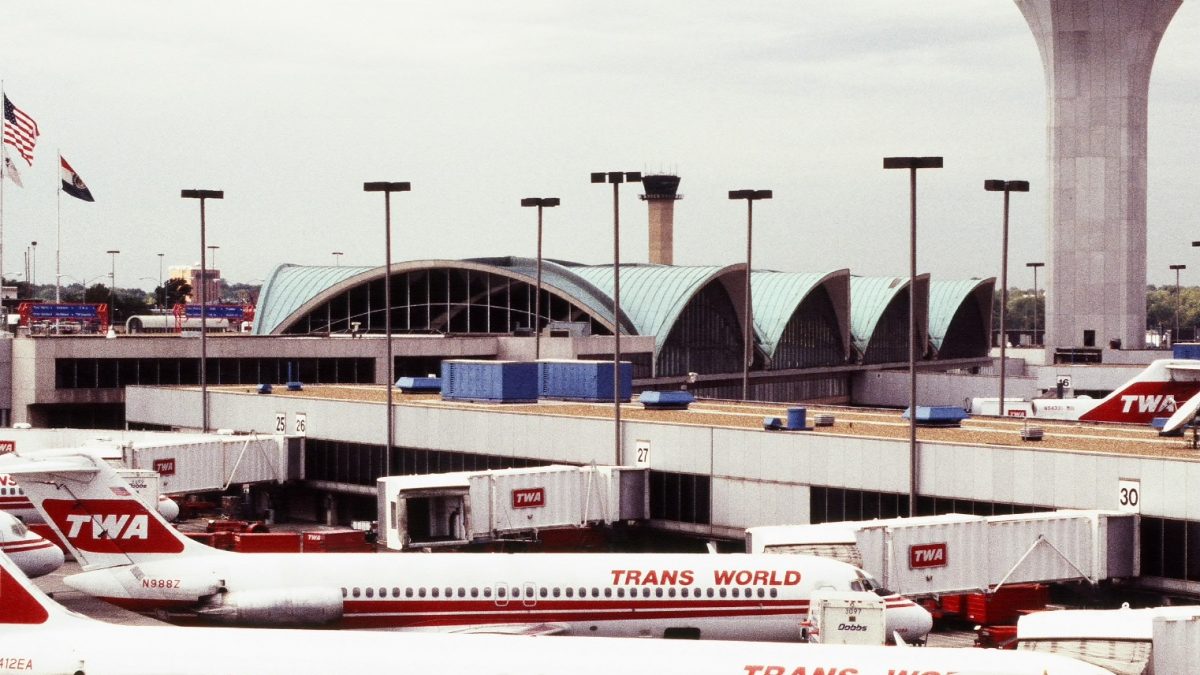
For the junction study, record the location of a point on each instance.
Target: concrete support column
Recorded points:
(1097, 56)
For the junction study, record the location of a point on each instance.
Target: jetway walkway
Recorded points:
(957, 553)
(185, 463)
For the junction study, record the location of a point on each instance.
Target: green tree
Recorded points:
(1019, 315)
(96, 294)
(177, 292)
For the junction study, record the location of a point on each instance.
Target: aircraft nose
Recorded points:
(168, 508)
(906, 617)
(40, 562)
(51, 559)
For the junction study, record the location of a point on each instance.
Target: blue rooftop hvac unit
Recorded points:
(582, 380)
(1186, 350)
(419, 385)
(490, 381)
(938, 416)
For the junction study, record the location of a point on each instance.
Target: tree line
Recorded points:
(127, 302)
(1161, 304)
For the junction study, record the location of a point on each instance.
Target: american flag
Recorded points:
(20, 131)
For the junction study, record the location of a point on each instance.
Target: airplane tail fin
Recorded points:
(22, 603)
(94, 510)
(1154, 392)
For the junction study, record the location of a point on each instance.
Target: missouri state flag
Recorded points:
(72, 184)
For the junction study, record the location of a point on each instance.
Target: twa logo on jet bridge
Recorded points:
(921, 556)
(528, 498)
(164, 466)
(111, 526)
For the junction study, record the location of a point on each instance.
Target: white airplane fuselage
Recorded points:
(15, 502)
(132, 557)
(33, 554)
(38, 636)
(636, 595)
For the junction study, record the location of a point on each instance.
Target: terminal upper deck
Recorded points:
(1058, 435)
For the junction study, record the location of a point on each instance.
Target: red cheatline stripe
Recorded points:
(425, 613)
(21, 546)
(450, 613)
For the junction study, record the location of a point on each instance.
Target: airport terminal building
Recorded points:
(680, 326)
(828, 339)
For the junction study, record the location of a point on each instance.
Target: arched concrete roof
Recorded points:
(947, 297)
(653, 296)
(870, 298)
(291, 291)
(289, 287)
(560, 275)
(777, 296)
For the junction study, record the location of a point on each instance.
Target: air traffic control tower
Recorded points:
(1097, 55)
(661, 193)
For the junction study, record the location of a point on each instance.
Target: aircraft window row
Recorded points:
(10, 491)
(557, 592)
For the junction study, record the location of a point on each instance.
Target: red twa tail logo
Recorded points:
(17, 605)
(1141, 402)
(111, 526)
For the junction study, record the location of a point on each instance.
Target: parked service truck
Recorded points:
(846, 618)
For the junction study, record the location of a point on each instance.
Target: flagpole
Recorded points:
(58, 243)
(3, 312)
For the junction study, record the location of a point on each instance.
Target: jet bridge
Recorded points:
(474, 507)
(184, 462)
(957, 553)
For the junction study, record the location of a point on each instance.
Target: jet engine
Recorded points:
(305, 607)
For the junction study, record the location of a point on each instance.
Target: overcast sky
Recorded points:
(289, 107)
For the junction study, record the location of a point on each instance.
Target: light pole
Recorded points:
(112, 285)
(1195, 243)
(387, 188)
(212, 250)
(616, 178)
(747, 329)
(162, 291)
(540, 203)
(203, 195)
(912, 164)
(1005, 186)
(337, 258)
(33, 264)
(1035, 266)
(1175, 334)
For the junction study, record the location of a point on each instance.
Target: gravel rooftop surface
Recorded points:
(1116, 439)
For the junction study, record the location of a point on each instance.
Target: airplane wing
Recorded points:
(1192, 367)
(526, 629)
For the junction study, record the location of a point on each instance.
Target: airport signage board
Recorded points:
(216, 311)
(1129, 495)
(921, 556)
(49, 310)
(528, 498)
(642, 457)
